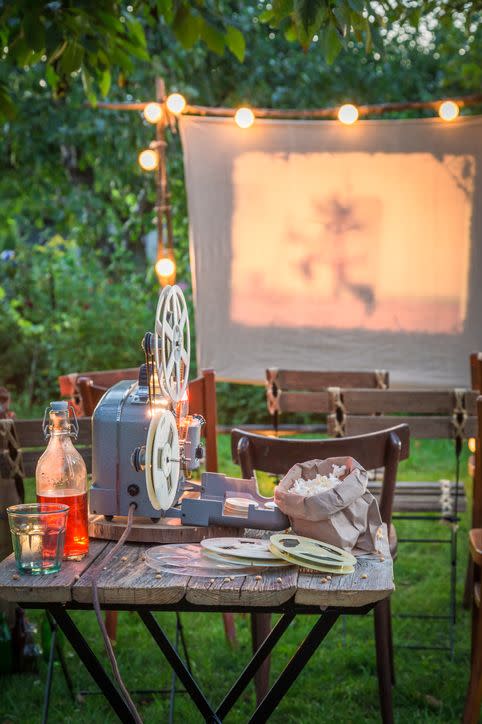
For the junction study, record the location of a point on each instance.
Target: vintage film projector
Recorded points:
(145, 444)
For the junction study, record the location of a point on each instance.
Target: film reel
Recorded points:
(312, 553)
(162, 461)
(172, 344)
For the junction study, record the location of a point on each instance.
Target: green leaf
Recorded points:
(212, 37)
(104, 82)
(71, 58)
(51, 76)
(88, 87)
(34, 31)
(165, 8)
(331, 43)
(291, 33)
(236, 42)
(266, 16)
(136, 31)
(7, 106)
(357, 5)
(186, 27)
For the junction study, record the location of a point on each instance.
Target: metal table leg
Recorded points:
(246, 676)
(294, 667)
(178, 666)
(91, 662)
(50, 672)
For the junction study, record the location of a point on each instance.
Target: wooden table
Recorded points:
(129, 584)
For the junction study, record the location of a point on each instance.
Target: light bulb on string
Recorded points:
(472, 444)
(448, 110)
(348, 114)
(176, 103)
(148, 159)
(165, 268)
(244, 117)
(153, 112)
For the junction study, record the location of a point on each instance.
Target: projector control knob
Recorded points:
(138, 458)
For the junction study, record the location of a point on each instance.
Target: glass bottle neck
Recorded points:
(59, 424)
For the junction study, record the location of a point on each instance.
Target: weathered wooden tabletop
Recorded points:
(129, 581)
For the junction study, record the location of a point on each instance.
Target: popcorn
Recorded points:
(320, 483)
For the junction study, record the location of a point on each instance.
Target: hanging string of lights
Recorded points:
(163, 112)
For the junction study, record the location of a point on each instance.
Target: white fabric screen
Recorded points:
(321, 246)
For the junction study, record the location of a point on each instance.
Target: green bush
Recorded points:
(66, 309)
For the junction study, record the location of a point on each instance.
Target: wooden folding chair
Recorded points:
(374, 450)
(476, 383)
(431, 414)
(305, 391)
(474, 691)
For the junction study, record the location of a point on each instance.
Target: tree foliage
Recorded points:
(98, 39)
(76, 292)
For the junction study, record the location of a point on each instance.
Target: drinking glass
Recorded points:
(38, 536)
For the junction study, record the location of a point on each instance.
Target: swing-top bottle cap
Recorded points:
(59, 406)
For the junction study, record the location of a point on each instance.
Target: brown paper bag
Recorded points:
(346, 515)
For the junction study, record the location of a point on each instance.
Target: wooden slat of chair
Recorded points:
(317, 381)
(264, 452)
(309, 402)
(277, 455)
(423, 427)
(428, 413)
(101, 378)
(306, 391)
(32, 443)
(435, 402)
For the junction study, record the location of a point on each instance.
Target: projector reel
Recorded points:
(162, 461)
(172, 343)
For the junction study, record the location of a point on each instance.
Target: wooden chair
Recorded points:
(306, 391)
(474, 691)
(476, 384)
(375, 450)
(75, 386)
(87, 388)
(430, 414)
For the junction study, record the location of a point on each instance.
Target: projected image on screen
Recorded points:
(351, 240)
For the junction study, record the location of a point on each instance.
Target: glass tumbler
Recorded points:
(38, 536)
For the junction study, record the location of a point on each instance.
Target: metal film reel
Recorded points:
(172, 343)
(162, 461)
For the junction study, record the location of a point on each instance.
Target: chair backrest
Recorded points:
(100, 381)
(431, 414)
(32, 443)
(306, 391)
(476, 371)
(201, 392)
(477, 494)
(202, 401)
(373, 450)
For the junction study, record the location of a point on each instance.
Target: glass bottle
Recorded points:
(61, 477)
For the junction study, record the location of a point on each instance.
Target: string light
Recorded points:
(176, 103)
(472, 443)
(165, 269)
(244, 117)
(153, 112)
(348, 114)
(448, 110)
(148, 159)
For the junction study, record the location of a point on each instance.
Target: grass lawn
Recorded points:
(339, 684)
